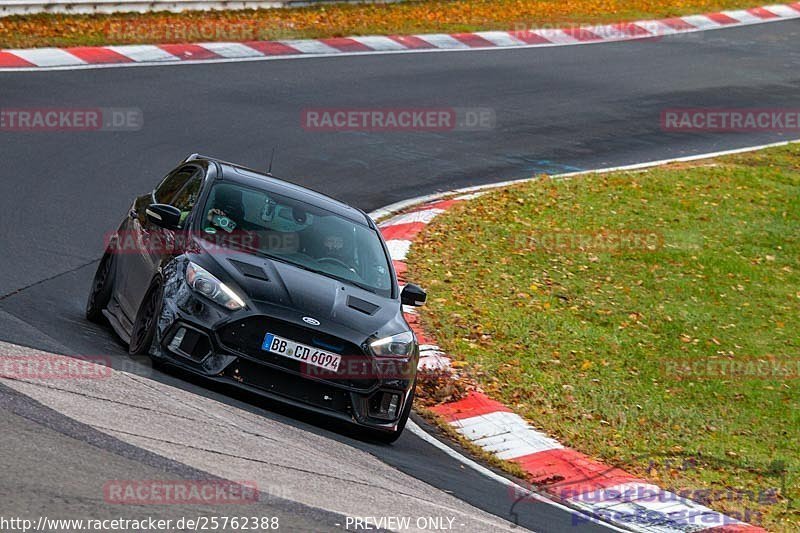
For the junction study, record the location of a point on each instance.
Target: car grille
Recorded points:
(246, 336)
(290, 386)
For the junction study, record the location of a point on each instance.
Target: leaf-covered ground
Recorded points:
(336, 20)
(580, 302)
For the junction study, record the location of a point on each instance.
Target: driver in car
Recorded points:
(337, 249)
(334, 244)
(228, 210)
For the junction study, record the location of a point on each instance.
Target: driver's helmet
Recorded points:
(337, 242)
(333, 245)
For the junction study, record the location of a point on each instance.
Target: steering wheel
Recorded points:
(337, 261)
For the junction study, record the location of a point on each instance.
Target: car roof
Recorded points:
(233, 173)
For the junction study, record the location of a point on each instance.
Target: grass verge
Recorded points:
(336, 20)
(608, 309)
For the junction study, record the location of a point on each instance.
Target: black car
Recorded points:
(247, 279)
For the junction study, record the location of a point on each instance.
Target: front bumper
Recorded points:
(198, 337)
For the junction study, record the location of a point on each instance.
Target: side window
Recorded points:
(173, 183)
(186, 197)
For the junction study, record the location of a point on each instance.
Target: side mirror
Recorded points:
(413, 295)
(164, 216)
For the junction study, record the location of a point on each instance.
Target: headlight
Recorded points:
(199, 279)
(399, 345)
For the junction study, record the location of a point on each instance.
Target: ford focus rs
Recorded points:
(246, 279)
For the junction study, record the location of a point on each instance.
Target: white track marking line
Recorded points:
(379, 43)
(231, 50)
(145, 53)
(505, 434)
(430, 348)
(398, 249)
(391, 209)
(48, 57)
(701, 22)
(782, 11)
(608, 32)
(500, 38)
(470, 196)
(442, 41)
(742, 16)
(509, 445)
(312, 47)
(433, 362)
(423, 215)
(656, 27)
(556, 36)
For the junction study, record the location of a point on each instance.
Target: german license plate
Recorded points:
(301, 352)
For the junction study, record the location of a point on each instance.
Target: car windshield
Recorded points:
(298, 233)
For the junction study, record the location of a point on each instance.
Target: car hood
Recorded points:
(275, 288)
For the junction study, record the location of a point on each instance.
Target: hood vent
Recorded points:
(250, 271)
(364, 306)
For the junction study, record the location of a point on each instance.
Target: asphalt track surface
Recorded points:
(556, 109)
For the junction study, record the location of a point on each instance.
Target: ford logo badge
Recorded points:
(312, 321)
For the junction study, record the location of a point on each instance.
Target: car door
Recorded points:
(152, 243)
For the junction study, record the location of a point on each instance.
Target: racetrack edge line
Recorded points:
(387, 52)
(378, 215)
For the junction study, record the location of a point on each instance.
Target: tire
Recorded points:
(144, 327)
(102, 287)
(390, 437)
